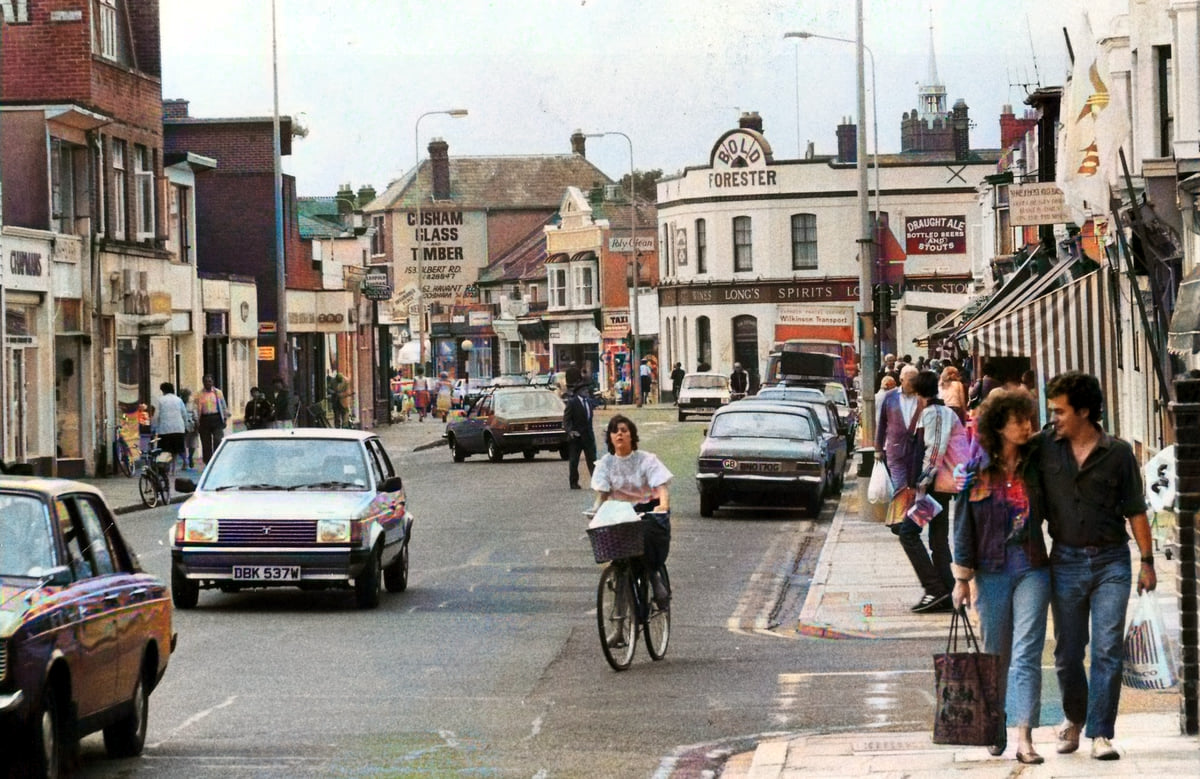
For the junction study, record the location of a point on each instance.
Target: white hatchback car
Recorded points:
(702, 393)
(309, 508)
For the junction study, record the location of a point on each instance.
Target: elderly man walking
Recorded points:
(1092, 486)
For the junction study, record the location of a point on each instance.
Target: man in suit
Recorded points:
(577, 421)
(896, 441)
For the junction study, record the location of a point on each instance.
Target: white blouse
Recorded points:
(632, 478)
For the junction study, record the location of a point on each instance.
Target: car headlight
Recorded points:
(333, 531)
(197, 531)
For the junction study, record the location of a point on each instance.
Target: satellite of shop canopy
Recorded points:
(672, 74)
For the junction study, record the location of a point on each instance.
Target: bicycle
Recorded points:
(623, 602)
(122, 456)
(154, 485)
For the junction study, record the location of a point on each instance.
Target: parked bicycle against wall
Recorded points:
(122, 457)
(158, 466)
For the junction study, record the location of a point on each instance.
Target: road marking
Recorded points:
(192, 720)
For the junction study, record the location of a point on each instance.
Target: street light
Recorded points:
(635, 380)
(456, 113)
(466, 345)
(866, 399)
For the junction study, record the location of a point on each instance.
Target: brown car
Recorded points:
(507, 420)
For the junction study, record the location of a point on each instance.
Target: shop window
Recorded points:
(144, 192)
(701, 246)
(743, 255)
(804, 241)
(118, 190)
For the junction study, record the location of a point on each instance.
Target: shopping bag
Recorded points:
(879, 489)
(898, 508)
(966, 686)
(1149, 664)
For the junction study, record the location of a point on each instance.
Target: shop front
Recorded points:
(319, 327)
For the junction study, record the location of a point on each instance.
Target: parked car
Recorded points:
(308, 508)
(761, 452)
(507, 420)
(85, 633)
(467, 391)
(702, 393)
(837, 447)
(847, 409)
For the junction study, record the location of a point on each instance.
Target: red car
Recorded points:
(85, 634)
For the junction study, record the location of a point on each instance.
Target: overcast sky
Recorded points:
(672, 74)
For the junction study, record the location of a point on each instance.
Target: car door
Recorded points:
(476, 421)
(96, 649)
(389, 506)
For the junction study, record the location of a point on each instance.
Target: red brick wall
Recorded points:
(23, 156)
(506, 228)
(241, 146)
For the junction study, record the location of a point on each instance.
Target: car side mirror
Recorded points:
(392, 484)
(184, 485)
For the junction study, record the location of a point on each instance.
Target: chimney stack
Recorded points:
(847, 141)
(366, 193)
(960, 124)
(750, 120)
(345, 200)
(175, 109)
(579, 143)
(439, 160)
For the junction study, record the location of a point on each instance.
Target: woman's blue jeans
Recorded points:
(1091, 585)
(1012, 614)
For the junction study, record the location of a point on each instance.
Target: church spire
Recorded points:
(931, 78)
(932, 94)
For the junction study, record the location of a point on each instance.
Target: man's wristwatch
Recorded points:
(1148, 559)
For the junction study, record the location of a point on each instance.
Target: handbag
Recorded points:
(966, 687)
(1149, 664)
(880, 489)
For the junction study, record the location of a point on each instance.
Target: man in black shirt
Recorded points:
(1092, 486)
(739, 380)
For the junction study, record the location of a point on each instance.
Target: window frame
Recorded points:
(558, 289)
(701, 246)
(120, 187)
(584, 286)
(379, 223)
(143, 173)
(106, 32)
(804, 241)
(743, 244)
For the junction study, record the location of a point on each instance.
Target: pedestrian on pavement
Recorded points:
(213, 414)
(634, 476)
(1093, 486)
(281, 402)
(739, 382)
(896, 441)
(259, 411)
(445, 395)
(421, 389)
(189, 436)
(169, 416)
(577, 421)
(952, 392)
(998, 542)
(339, 398)
(886, 385)
(677, 381)
(646, 376)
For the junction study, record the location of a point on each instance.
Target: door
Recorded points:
(17, 406)
(745, 347)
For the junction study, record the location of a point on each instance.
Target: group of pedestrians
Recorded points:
(1009, 487)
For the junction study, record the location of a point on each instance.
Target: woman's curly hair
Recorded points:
(994, 413)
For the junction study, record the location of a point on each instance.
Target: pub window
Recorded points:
(804, 241)
(119, 190)
(701, 247)
(377, 222)
(664, 249)
(703, 342)
(557, 278)
(144, 176)
(743, 256)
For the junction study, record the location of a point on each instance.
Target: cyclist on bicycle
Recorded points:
(640, 478)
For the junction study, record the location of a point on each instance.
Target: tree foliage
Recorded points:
(645, 183)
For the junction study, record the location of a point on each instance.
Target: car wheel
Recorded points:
(530, 454)
(682, 416)
(366, 586)
(127, 736)
(395, 576)
(456, 450)
(47, 749)
(185, 593)
(708, 503)
(493, 450)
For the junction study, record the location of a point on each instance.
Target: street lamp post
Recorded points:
(456, 113)
(466, 345)
(867, 368)
(635, 379)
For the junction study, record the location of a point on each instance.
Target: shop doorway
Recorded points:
(745, 347)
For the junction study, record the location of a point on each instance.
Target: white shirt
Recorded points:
(908, 406)
(632, 478)
(170, 415)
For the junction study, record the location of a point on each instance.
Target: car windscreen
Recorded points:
(537, 403)
(26, 543)
(761, 424)
(837, 393)
(705, 382)
(287, 464)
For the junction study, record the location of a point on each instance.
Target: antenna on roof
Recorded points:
(1029, 29)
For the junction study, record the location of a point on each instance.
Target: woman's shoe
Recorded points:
(1030, 758)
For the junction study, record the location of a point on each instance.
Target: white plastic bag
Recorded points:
(613, 512)
(1149, 664)
(880, 489)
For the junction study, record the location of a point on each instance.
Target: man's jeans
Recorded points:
(1012, 615)
(1090, 582)
(934, 574)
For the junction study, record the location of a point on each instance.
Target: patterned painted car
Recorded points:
(85, 634)
(313, 508)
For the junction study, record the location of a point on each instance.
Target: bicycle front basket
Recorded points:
(164, 458)
(614, 542)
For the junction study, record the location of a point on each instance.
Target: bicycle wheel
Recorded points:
(124, 461)
(164, 488)
(148, 489)
(657, 627)
(614, 617)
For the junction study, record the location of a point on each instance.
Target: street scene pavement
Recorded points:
(861, 590)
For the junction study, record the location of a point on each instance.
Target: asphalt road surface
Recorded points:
(490, 663)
